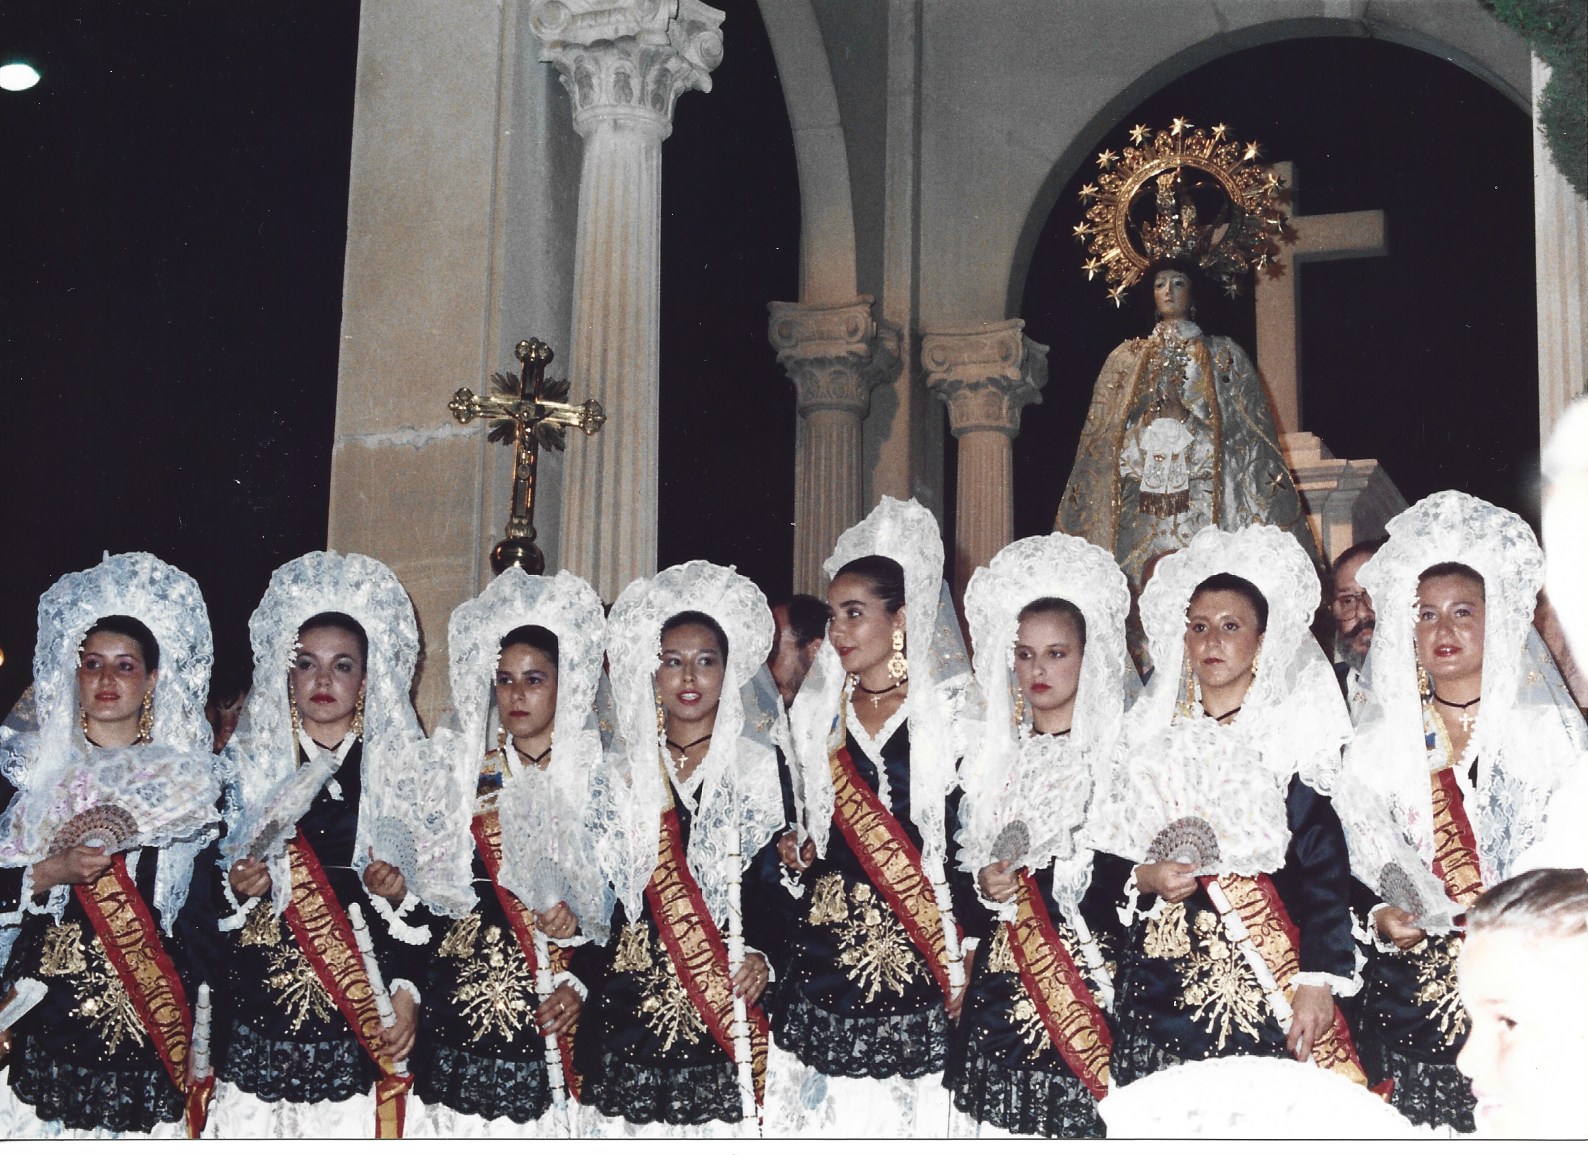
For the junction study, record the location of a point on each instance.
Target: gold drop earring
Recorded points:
(1020, 709)
(358, 714)
(898, 665)
(501, 738)
(1255, 657)
(1425, 689)
(661, 720)
(146, 716)
(292, 711)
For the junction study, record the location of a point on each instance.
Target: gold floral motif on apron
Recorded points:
(665, 1005)
(1217, 985)
(1022, 1014)
(101, 998)
(874, 949)
(1435, 959)
(496, 991)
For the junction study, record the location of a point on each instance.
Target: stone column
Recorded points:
(985, 374)
(1560, 255)
(624, 64)
(835, 355)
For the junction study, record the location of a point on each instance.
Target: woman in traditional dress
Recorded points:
(876, 968)
(1453, 782)
(116, 796)
(1030, 1052)
(322, 832)
(675, 1043)
(509, 977)
(1230, 861)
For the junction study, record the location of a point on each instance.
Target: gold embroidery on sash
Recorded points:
(104, 1001)
(298, 990)
(1001, 956)
(63, 951)
(874, 949)
(1166, 935)
(1435, 959)
(497, 988)
(827, 903)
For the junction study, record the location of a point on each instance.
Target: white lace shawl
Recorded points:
(942, 697)
(1529, 738)
(739, 804)
(263, 751)
(169, 785)
(1235, 777)
(548, 854)
(1036, 783)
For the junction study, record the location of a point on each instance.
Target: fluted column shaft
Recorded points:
(1560, 231)
(624, 66)
(986, 374)
(835, 355)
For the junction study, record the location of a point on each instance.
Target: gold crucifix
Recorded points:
(529, 411)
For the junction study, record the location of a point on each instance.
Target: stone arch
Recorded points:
(1484, 48)
(827, 223)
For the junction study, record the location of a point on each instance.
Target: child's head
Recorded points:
(1524, 980)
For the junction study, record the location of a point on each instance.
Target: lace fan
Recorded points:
(107, 826)
(267, 826)
(394, 843)
(1188, 840)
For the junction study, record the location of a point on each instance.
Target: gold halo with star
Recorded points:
(1181, 193)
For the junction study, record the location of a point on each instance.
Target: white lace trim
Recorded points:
(943, 698)
(1528, 737)
(872, 744)
(740, 804)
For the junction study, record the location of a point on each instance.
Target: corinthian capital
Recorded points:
(834, 354)
(628, 59)
(985, 374)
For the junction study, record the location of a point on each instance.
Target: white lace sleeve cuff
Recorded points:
(54, 903)
(569, 979)
(1342, 988)
(1370, 932)
(404, 985)
(400, 930)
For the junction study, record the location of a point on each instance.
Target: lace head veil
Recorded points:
(1293, 710)
(1527, 731)
(170, 782)
(940, 692)
(740, 804)
(547, 854)
(1044, 786)
(264, 752)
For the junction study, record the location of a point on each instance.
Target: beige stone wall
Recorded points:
(459, 206)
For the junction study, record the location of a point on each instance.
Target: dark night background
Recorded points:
(173, 223)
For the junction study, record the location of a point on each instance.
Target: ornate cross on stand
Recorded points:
(530, 412)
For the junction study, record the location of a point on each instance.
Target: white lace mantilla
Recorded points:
(167, 787)
(263, 752)
(1043, 783)
(1529, 739)
(548, 853)
(944, 700)
(740, 805)
(1292, 721)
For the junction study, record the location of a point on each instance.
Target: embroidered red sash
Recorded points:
(131, 938)
(326, 939)
(891, 861)
(1456, 859)
(1062, 998)
(487, 829)
(694, 944)
(1279, 942)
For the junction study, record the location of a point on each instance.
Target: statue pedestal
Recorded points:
(1346, 501)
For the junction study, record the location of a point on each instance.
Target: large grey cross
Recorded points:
(1326, 237)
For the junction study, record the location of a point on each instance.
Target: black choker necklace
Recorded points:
(683, 751)
(876, 695)
(536, 759)
(1466, 718)
(1055, 734)
(1221, 717)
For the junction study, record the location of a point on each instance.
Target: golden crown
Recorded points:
(1196, 175)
